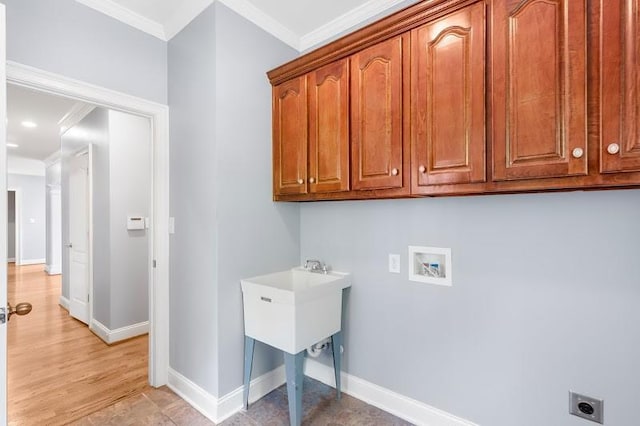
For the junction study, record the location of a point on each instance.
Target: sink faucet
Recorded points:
(317, 266)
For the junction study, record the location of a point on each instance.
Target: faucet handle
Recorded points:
(315, 265)
(312, 263)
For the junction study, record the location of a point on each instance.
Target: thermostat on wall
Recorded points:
(135, 223)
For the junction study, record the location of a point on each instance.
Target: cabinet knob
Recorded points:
(300, 181)
(312, 180)
(577, 152)
(394, 172)
(422, 169)
(613, 148)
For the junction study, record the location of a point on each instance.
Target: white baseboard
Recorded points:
(231, 403)
(11, 259)
(401, 406)
(123, 333)
(219, 409)
(64, 302)
(32, 261)
(53, 269)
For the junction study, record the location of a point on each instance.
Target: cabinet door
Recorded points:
(538, 66)
(329, 128)
(376, 116)
(290, 137)
(620, 80)
(448, 112)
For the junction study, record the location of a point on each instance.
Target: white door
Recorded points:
(78, 243)
(3, 215)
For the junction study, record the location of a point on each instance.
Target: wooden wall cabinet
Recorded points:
(448, 100)
(377, 115)
(311, 132)
(538, 98)
(457, 97)
(620, 87)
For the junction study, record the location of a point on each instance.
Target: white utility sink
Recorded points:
(292, 310)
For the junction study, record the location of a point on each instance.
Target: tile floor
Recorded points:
(163, 407)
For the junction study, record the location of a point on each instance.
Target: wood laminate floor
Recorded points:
(58, 370)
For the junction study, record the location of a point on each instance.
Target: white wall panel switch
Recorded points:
(394, 263)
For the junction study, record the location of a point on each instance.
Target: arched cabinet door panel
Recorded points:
(329, 128)
(290, 137)
(448, 99)
(620, 87)
(538, 99)
(377, 115)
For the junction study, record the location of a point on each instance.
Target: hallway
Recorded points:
(58, 370)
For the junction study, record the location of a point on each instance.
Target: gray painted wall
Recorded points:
(130, 184)
(220, 192)
(255, 235)
(544, 300)
(193, 256)
(32, 206)
(68, 38)
(11, 224)
(121, 187)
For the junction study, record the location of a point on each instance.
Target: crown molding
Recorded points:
(247, 10)
(78, 111)
(52, 159)
(190, 10)
(126, 16)
(345, 22)
(183, 15)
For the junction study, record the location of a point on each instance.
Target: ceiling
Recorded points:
(41, 108)
(299, 23)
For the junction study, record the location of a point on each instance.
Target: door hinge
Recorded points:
(154, 263)
(3, 315)
(87, 298)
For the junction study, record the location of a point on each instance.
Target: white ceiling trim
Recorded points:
(17, 165)
(78, 111)
(247, 10)
(127, 16)
(183, 16)
(52, 159)
(348, 20)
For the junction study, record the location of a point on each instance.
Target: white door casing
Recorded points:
(3, 215)
(56, 84)
(78, 240)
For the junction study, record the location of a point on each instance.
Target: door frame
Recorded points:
(17, 258)
(158, 264)
(88, 150)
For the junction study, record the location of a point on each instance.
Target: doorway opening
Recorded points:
(157, 117)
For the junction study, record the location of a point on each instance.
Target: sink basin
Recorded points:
(292, 310)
